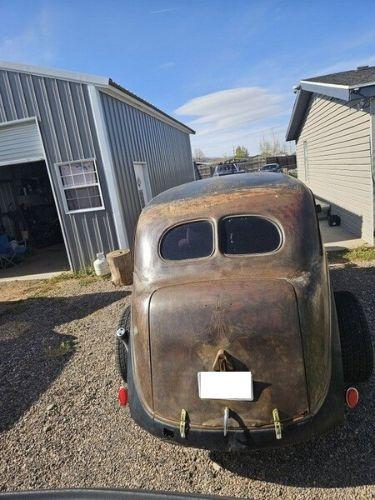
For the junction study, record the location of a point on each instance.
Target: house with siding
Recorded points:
(333, 126)
(79, 157)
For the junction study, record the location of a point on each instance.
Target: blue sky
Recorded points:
(224, 67)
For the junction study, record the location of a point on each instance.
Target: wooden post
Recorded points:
(121, 266)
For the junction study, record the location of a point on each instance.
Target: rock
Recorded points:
(216, 466)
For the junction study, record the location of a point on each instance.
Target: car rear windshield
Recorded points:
(248, 234)
(192, 240)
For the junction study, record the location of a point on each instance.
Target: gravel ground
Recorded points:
(60, 424)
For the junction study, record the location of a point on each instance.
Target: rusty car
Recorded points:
(234, 338)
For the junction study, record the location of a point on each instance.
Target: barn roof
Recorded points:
(102, 82)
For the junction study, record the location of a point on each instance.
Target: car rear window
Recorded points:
(248, 234)
(192, 240)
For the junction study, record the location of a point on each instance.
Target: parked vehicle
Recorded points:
(227, 169)
(271, 167)
(232, 340)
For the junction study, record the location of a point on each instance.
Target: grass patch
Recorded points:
(65, 347)
(50, 283)
(68, 275)
(87, 280)
(84, 272)
(43, 288)
(85, 277)
(360, 254)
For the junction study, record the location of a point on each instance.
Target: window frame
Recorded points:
(247, 255)
(193, 259)
(63, 188)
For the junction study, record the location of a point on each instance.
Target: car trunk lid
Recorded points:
(255, 322)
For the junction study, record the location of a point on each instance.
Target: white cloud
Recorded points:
(163, 11)
(33, 45)
(366, 38)
(166, 65)
(233, 116)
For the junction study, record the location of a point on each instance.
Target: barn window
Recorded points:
(79, 184)
(192, 240)
(248, 234)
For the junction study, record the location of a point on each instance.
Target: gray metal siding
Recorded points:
(66, 123)
(136, 136)
(20, 143)
(337, 138)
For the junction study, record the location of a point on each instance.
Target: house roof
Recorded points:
(102, 82)
(346, 86)
(363, 75)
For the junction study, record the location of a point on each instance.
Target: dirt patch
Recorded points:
(11, 291)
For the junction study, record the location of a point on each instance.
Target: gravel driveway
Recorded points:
(60, 424)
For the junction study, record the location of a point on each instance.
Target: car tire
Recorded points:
(356, 346)
(122, 344)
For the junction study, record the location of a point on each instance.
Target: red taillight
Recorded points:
(122, 396)
(352, 397)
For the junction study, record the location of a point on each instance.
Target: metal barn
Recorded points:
(79, 158)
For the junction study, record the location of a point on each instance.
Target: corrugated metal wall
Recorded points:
(135, 136)
(334, 159)
(65, 118)
(20, 143)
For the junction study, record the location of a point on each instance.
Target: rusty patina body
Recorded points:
(271, 313)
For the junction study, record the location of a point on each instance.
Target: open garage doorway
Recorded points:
(29, 223)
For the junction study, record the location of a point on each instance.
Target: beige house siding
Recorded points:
(334, 160)
(372, 131)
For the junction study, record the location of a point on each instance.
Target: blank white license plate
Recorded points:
(225, 385)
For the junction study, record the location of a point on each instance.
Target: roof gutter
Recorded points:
(338, 91)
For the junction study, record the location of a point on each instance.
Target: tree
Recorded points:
(271, 147)
(198, 154)
(241, 152)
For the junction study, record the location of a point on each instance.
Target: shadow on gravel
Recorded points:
(343, 457)
(32, 354)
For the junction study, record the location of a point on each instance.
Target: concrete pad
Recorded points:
(43, 263)
(28, 277)
(338, 238)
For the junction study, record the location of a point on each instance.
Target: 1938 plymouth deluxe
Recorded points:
(233, 337)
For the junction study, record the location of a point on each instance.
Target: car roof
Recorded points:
(226, 184)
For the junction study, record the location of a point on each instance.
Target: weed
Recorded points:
(87, 280)
(65, 347)
(85, 271)
(360, 254)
